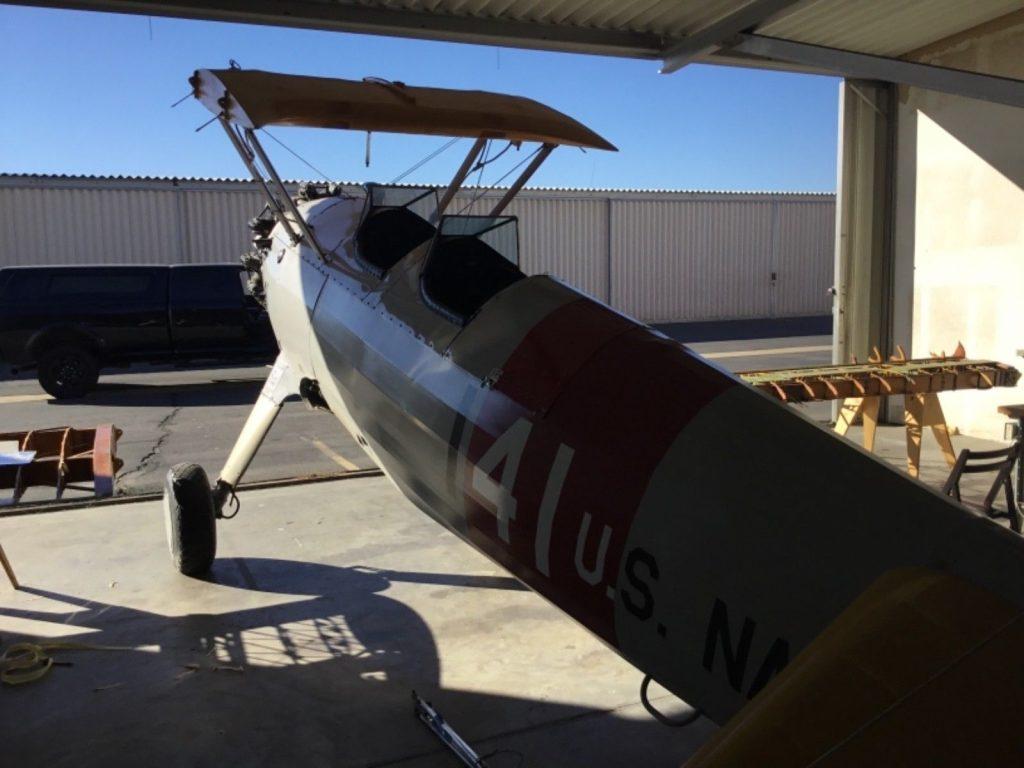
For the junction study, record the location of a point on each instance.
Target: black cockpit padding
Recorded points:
(463, 273)
(387, 235)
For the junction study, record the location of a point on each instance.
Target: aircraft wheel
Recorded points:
(190, 518)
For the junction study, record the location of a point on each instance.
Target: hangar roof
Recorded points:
(642, 28)
(884, 27)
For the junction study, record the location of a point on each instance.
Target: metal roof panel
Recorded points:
(884, 27)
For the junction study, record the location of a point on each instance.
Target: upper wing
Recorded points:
(253, 99)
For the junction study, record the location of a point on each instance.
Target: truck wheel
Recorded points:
(67, 372)
(190, 518)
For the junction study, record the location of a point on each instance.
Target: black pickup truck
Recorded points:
(70, 322)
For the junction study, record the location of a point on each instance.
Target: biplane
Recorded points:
(828, 609)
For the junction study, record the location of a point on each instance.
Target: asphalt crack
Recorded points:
(152, 456)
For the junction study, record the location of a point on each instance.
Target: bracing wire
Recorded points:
(296, 155)
(501, 179)
(416, 166)
(483, 163)
(489, 160)
(182, 99)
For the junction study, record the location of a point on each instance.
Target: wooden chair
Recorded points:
(1001, 462)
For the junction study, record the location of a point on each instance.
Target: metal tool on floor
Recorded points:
(433, 720)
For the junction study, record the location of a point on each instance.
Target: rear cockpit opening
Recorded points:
(396, 220)
(472, 259)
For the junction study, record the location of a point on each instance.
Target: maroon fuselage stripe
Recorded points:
(617, 394)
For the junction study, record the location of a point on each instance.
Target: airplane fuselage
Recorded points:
(705, 531)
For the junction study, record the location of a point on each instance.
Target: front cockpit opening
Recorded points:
(396, 220)
(472, 259)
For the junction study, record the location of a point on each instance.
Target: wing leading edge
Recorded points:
(252, 99)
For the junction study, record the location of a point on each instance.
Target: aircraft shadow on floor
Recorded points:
(322, 676)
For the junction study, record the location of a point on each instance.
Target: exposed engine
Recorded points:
(261, 226)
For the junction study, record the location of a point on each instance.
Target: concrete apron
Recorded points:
(328, 604)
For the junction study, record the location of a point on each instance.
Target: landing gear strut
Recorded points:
(191, 507)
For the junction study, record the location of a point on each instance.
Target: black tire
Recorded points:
(68, 372)
(191, 519)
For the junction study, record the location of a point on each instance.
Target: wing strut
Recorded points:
(250, 163)
(280, 203)
(460, 176)
(250, 136)
(540, 157)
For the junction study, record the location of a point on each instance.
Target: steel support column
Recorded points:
(864, 220)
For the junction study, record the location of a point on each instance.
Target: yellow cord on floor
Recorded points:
(28, 662)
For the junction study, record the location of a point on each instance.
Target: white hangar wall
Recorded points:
(960, 222)
(658, 256)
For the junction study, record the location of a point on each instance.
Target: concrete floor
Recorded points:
(328, 605)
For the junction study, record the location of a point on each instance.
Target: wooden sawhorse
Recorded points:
(920, 411)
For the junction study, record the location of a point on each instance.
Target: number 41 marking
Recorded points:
(509, 449)
(497, 496)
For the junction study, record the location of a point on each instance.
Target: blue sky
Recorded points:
(91, 93)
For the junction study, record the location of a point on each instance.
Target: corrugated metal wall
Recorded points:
(804, 277)
(692, 259)
(714, 257)
(216, 223)
(563, 236)
(82, 226)
(658, 256)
